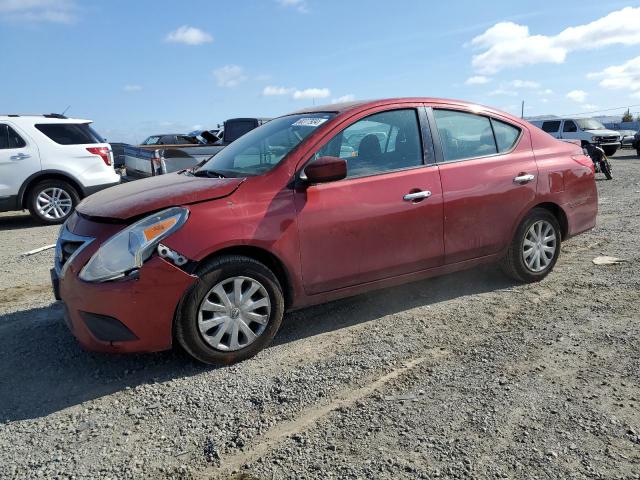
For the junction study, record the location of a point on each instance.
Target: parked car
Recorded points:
(148, 160)
(278, 220)
(627, 138)
(587, 130)
(117, 149)
(636, 142)
(49, 162)
(170, 139)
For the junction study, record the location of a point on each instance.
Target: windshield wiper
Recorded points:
(207, 173)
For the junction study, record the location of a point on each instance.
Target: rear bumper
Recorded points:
(86, 191)
(134, 315)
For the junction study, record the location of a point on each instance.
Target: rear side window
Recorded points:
(551, 127)
(9, 138)
(506, 135)
(464, 135)
(235, 129)
(70, 133)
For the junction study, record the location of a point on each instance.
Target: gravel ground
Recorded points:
(463, 376)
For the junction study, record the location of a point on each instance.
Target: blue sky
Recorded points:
(143, 67)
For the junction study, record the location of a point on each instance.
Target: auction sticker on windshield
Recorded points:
(309, 122)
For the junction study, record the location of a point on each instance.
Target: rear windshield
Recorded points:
(70, 133)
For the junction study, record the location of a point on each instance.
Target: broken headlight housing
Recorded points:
(127, 250)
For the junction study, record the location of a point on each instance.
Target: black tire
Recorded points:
(186, 329)
(638, 151)
(605, 167)
(610, 151)
(37, 189)
(513, 264)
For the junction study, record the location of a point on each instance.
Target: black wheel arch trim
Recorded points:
(49, 174)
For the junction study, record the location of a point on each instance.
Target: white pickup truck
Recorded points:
(587, 130)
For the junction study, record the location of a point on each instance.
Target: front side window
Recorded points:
(551, 126)
(261, 149)
(379, 143)
(464, 135)
(569, 126)
(151, 140)
(9, 138)
(70, 133)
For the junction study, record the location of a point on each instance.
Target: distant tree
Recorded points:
(627, 117)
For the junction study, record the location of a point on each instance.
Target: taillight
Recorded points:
(585, 161)
(102, 152)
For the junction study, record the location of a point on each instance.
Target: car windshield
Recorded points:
(263, 148)
(151, 140)
(589, 124)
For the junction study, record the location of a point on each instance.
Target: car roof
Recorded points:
(41, 118)
(342, 107)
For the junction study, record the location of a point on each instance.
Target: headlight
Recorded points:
(128, 249)
(595, 139)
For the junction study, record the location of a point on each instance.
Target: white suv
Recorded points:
(49, 162)
(587, 130)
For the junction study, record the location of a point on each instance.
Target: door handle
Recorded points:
(19, 156)
(524, 178)
(410, 197)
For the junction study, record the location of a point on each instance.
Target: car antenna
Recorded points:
(65, 110)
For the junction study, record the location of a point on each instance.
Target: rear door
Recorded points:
(18, 160)
(489, 178)
(364, 228)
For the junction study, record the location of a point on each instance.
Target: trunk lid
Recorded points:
(133, 199)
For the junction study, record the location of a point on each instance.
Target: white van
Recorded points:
(49, 162)
(587, 130)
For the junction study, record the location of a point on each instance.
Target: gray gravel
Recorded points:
(463, 376)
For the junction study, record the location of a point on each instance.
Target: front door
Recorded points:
(489, 177)
(385, 218)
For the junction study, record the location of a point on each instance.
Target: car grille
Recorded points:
(609, 138)
(68, 246)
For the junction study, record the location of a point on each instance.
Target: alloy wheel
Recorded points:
(234, 313)
(54, 203)
(539, 246)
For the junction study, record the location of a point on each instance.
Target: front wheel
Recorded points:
(609, 151)
(535, 247)
(605, 167)
(232, 312)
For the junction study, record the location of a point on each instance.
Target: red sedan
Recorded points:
(313, 206)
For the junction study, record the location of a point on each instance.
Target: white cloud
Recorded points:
(477, 80)
(299, 5)
(589, 106)
(507, 44)
(621, 77)
(524, 84)
(132, 88)
(311, 93)
(34, 11)
(503, 91)
(271, 90)
(229, 75)
(578, 96)
(546, 91)
(350, 97)
(189, 36)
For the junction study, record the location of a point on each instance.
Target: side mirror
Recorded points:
(325, 169)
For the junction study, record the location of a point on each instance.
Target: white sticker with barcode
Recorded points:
(309, 122)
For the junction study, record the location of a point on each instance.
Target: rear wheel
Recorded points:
(233, 311)
(535, 247)
(52, 201)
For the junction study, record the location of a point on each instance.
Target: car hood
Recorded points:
(133, 199)
(603, 133)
